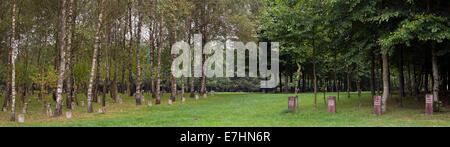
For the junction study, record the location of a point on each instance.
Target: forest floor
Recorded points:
(238, 110)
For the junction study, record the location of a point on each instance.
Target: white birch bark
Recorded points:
(13, 63)
(62, 63)
(94, 59)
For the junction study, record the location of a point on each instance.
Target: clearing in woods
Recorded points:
(237, 110)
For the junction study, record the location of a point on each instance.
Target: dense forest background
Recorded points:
(100, 48)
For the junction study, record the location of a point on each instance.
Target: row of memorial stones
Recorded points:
(47, 109)
(293, 104)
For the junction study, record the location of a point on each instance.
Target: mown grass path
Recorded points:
(239, 110)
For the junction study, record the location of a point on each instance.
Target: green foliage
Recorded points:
(48, 79)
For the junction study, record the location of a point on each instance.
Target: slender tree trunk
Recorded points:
(315, 79)
(62, 67)
(358, 84)
(158, 65)
(386, 88)
(8, 84)
(97, 76)
(69, 95)
(281, 83)
(297, 79)
(173, 78)
(435, 74)
(372, 72)
(380, 82)
(138, 56)
(410, 81)
(152, 39)
(192, 71)
(415, 84)
(348, 83)
(303, 81)
(114, 91)
(123, 85)
(286, 83)
(425, 84)
(94, 59)
(106, 83)
(402, 79)
(130, 54)
(13, 63)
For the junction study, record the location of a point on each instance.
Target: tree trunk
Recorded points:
(114, 91)
(425, 83)
(315, 83)
(106, 83)
(372, 72)
(435, 75)
(94, 59)
(415, 84)
(173, 82)
(138, 56)
(69, 81)
(286, 83)
(158, 65)
(348, 84)
(192, 71)
(130, 54)
(402, 79)
(152, 46)
(386, 88)
(97, 76)
(297, 79)
(8, 84)
(410, 85)
(62, 65)
(358, 85)
(13, 64)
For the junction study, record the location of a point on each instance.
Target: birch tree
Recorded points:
(13, 62)
(138, 55)
(94, 58)
(62, 61)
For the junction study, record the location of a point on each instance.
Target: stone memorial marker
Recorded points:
(205, 96)
(142, 98)
(82, 103)
(21, 118)
(100, 110)
(377, 105)
(25, 108)
(119, 100)
(150, 104)
(197, 97)
(49, 110)
(170, 102)
(212, 93)
(332, 104)
(292, 103)
(74, 106)
(68, 115)
(429, 104)
(183, 99)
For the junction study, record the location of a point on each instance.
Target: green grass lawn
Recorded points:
(238, 110)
